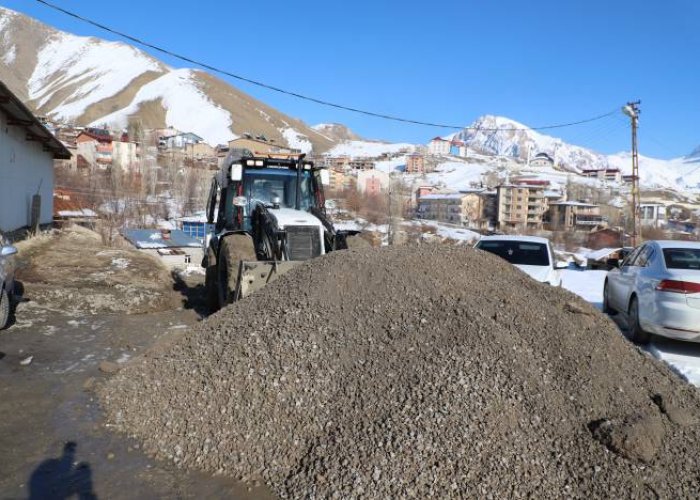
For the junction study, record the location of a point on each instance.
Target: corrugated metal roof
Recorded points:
(157, 238)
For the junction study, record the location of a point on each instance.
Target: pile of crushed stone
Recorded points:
(415, 371)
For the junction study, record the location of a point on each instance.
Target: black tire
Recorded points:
(356, 241)
(234, 249)
(4, 308)
(606, 301)
(211, 289)
(637, 334)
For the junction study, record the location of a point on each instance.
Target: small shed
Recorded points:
(175, 248)
(27, 152)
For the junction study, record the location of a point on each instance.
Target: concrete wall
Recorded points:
(23, 165)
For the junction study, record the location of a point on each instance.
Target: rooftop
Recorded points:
(157, 238)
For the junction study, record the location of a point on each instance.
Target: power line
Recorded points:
(302, 96)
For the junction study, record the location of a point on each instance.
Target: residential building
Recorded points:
(652, 214)
(607, 174)
(179, 141)
(439, 146)
(95, 147)
(415, 164)
(464, 208)
(542, 160)
(174, 248)
(520, 206)
(27, 154)
(125, 154)
(361, 164)
(373, 182)
(604, 238)
(259, 146)
(576, 215)
(199, 150)
(340, 180)
(423, 190)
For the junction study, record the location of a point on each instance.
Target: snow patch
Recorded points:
(295, 140)
(370, 149)
(187, 107)
(10, 55)
(67, 60)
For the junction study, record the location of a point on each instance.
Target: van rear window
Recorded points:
(517, 252)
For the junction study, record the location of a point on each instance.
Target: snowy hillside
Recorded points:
(494, 135)
(85, 80)
(186, 107)
(370, 149)
(679, 174)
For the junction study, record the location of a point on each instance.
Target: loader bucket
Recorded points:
(253, 275)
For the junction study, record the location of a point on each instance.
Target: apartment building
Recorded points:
(464, 208)
(575, 215)
(520, 206)
(608, 174)
(415, 164)
(652, 214)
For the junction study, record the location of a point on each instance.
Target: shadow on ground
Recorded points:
(193, 293)
(62, 477)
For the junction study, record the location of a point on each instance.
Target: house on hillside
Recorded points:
(95, 147)
(260, 146)
(372, 182)
(27, 153)
(542, 160)
(415, 164)
(652, 214)
(179, 141)
(576, 215)
(439, 146)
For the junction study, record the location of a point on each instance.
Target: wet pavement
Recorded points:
(53, 440)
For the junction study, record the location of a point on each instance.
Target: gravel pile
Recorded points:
(414, 372)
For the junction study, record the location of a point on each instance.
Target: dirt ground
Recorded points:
(87, 311)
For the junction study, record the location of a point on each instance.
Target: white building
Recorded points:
(27, 152)
(439, 146)
(652, 214)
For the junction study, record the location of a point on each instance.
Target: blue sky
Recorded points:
(538, 62)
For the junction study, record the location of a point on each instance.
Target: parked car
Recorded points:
(7, 280)
(658, 287)
(530, 254)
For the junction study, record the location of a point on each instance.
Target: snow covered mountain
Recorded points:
(336, 132)
(494, 135)
(86, 80)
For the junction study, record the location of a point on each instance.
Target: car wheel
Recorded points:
(4, 308)
(606, 300)
(637, 334)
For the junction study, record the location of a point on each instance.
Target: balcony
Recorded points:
(589, 220)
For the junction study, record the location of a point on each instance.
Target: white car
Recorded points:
(530, 254)
(7, 284)
(658, 287)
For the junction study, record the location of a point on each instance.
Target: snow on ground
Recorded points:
(682, 357)
(586, 284)
(458, 174)
(67, 60)
(187, 107)
(295, 140)
(392, 165)
(369, 149)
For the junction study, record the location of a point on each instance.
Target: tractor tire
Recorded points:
(234, 249)
(356, 241)
(4, 308)
(211, 286)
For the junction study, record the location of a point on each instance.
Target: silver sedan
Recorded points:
(658, 287)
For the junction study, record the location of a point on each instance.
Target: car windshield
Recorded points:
(264, 185)
(525, 253)
(682, 258)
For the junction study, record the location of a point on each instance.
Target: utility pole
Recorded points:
(632, 110)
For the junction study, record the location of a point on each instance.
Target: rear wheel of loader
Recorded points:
(233, 250)
(356, 241)
(212, 289)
